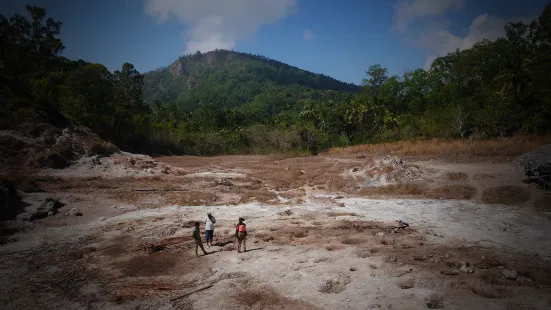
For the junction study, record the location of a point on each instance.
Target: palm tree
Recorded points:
(515, 76)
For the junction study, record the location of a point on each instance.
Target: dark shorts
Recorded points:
(209, 234)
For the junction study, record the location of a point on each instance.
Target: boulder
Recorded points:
(510, 274)
(48, 207)
(466, 269)
(74, 212)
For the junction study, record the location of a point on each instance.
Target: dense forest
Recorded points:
(228, 102)
(231, 79)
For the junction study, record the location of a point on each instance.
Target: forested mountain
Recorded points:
(227, 102)
(231, 78)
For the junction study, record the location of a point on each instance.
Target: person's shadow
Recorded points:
(218, 251)
(222, 244)
(257, 249)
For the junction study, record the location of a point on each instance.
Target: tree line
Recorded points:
(494, 89)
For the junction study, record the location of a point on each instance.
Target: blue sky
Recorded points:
(338, 38)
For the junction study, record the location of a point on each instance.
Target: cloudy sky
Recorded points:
(338, 38)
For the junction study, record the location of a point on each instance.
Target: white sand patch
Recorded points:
(121, 164)
(466, 222)
(501, 226)
(300, 272)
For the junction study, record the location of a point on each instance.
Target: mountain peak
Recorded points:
(240, 76)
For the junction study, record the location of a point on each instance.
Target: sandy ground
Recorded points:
(320, 236)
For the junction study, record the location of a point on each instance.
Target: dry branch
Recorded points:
(185, 295)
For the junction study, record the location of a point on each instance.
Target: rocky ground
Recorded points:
(537, 157)
(115, 232)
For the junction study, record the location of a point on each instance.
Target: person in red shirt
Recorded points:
(241, 235)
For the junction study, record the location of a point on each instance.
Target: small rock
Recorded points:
(466, 269)
(380, 234)
(402, 224)
(50, 205)
(355, 169)
(510, 274)
(286, 212)
(353, 269)
(96, 161)
(74, 212)
(463, 263)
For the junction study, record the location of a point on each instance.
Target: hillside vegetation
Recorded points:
(228, 102)
(231, 79)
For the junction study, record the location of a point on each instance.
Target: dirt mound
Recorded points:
(120, 164)
(385, 171)
(42, 145)
(34, 134)
(538, 156)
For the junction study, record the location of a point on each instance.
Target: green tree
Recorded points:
(28, 47)
(86, 95)
(515, 73)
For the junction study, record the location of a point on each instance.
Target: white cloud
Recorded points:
(434, 36)
(215, 24)
(440, 42)
(208, 35)
(407, 11)
(308, 35)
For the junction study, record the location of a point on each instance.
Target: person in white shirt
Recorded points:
(209, 227)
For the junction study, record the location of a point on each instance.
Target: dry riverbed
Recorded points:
(320, 235)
